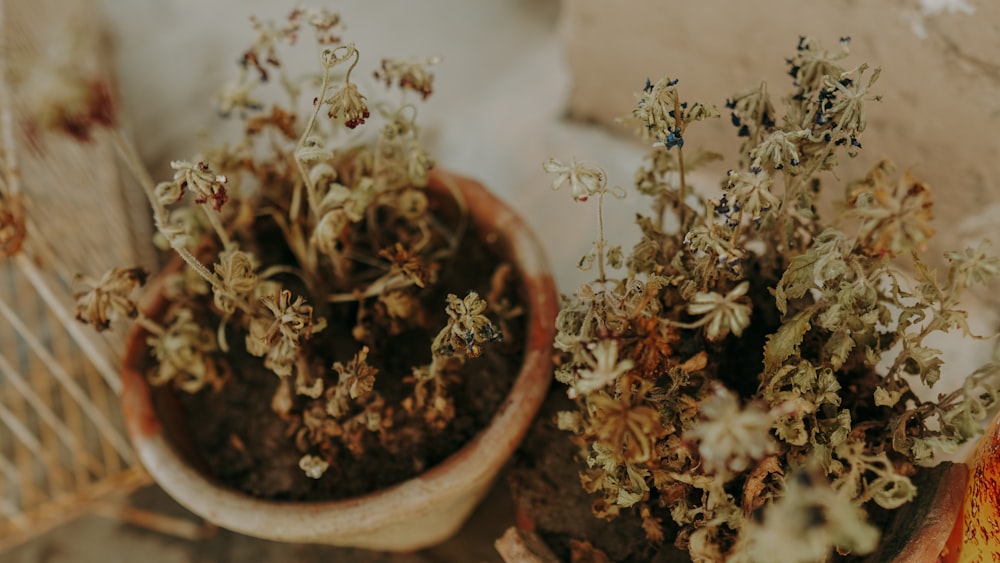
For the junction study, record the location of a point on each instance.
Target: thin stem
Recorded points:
(128, 154)
(738, 229)
(150, 325)
(700, 322)
(379, 287)
(216, 223)
(682, 212)
(310, 187)
(600, 240)
(357, 57)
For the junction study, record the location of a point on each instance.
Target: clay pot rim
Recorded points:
(479, 460)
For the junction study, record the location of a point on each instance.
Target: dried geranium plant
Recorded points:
(361, 239)
(751, 374)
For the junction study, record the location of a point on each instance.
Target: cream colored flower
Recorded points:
(206, 184)
(468, 326)
(410, 74)
(236, 270)
(722, 315)
(313, 466)
(349, 104)
(809, 521)
(585, 179)
(182, 354)
(603, 369)
(778, 150)
(357, 378)
(751, 192)
(279, 334)
(729, 437)
(108, 297)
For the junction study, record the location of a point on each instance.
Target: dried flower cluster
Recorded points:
(361, 244)
(748, 380)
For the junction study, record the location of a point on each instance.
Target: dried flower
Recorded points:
(752, 111)
(468, 327)
(750, 193)
(777, 150)
(730, 438)
(108, 297)
(895, 218)
(585, 179)
(627, 429)
(409, 74)
(357, 377)
(847, 97)
(12, 226)
(264, 48)
(340, 220)
(349, 104)
(603, 370)
(236, 95)
(407, 263)
(722, 314)
(313, 466)
(279, 334)
(973, 266)
(812, 63)
(655, 109)
(236, 270)
(808, 522)
(200, 178)
(183, 354)
(321, 20)
(328, 231)
(281, 120)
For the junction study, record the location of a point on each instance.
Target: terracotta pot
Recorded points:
(417, 513)
(976, 534)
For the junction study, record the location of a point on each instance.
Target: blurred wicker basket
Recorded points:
(62, 445)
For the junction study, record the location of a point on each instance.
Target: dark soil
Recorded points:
(545, 483)
(235, 436)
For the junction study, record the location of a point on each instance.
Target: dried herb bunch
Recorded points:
(299, 222)
(750, 371)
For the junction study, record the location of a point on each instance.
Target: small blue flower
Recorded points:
(674, 139)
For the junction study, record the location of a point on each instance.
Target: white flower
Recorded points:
(313, 466)
(585, 179)
(809, 521)
(604, 369)
(778, 149)
(350, 104)
(200, 178)
(729, 437)
(722, 314)
(751, 191)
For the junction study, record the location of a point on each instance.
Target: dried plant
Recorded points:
(358, 231)
(818, 420)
